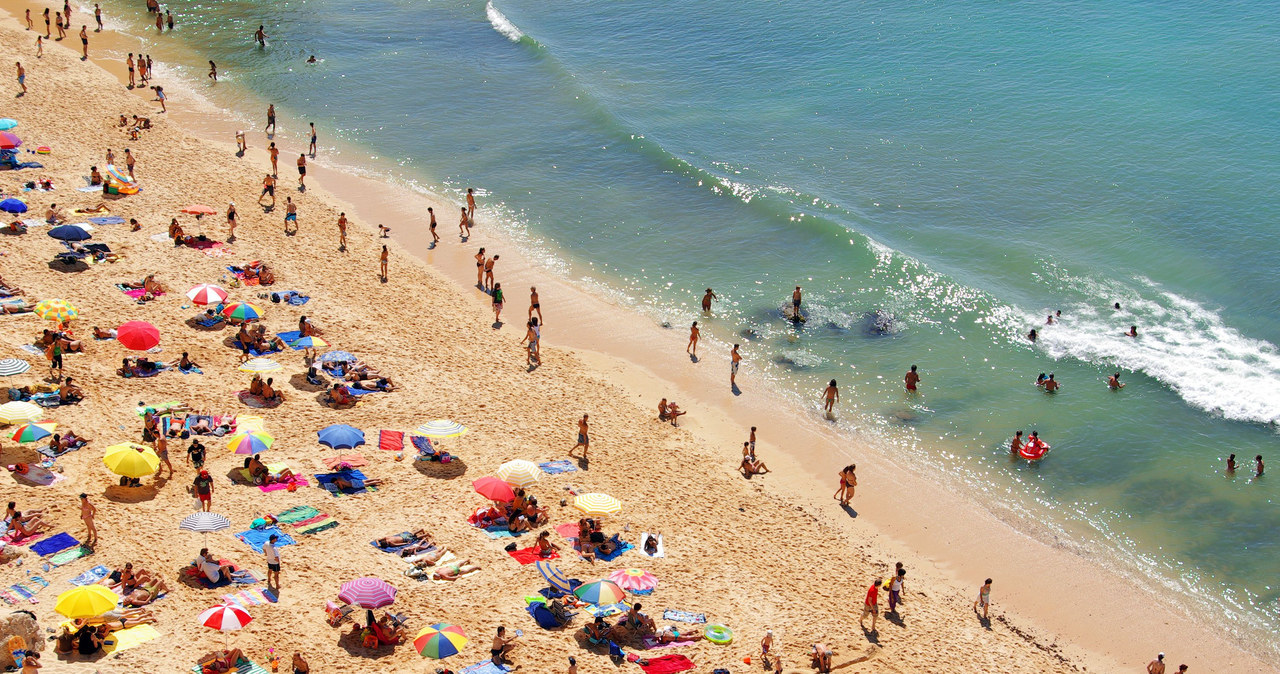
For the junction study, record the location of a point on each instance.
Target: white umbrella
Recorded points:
(17, 412)
(204, 523)
(597, 504)
(12, 366)
(520, 473)
(440, 428)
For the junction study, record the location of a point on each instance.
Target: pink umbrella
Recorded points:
(138, 335)
(225, 618)
(635, 581)
(9, 141)
(367, 592)
(206, 293)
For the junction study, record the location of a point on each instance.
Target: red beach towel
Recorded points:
(667, 664)
(529, 555)
(392, 441)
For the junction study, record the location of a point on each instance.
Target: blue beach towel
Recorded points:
(107, 219)
(683, 616)
(558, 466)
(290, 337)
(354, 476)
(91, 576)
(256, 538)
(486, 667)
(55, 543)
(253, 352)
(617, 552)
(194, 370)
(359, 391)
(499, 531)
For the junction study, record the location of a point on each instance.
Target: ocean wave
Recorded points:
(501, 23)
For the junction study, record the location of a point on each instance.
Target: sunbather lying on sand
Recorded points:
(424, 559)
(221, 661)
(15, 307)
(380, 384)
(339, 396)
(99, 333)
(61, 443)
(455, 569)
(126, 578)
(401, 539)
(146, 593)
(18, 529)
(119, 619)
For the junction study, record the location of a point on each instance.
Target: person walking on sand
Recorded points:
(162, 98)
(488, 272)
(84, 43)
(268, 188)
(271, 114)
(274, 153)
(162, 451)
(706, 301)
(97, 16)
(895, 590)
(497, 303)
(273, 561)
(692, 349)
(129, 161)
(312, 148)
(534, 304)
(735, 359)
(203, 486)
(87, 512)
(1156, 666)
(231, 221)
(383, 260)
(431, 226)
(464, 226)
(260, 36)
(290, 215)
(831, 395)
(39, 46)
(584, 437)
(471, 204)
(871, 606)
(30, 25)
(984, 598)
(912, 379)
(22, 79)
(302, 172)
(848, 484)
(342, 231)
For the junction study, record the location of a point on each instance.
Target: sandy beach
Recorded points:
(773, 552)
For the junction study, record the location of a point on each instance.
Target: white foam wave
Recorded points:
(501, 23)
(1182, 344)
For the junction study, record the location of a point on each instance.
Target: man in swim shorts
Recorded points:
(912, 379)
(735, 359)
(584, 438)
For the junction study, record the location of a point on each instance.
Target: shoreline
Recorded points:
(954, 558)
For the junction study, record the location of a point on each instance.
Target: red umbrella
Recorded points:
(9, 141)
(138, 335)
(198, 209)
(493, 489)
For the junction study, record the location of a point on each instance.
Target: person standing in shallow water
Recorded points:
(911, 379)
(831, 395)
(706, 301)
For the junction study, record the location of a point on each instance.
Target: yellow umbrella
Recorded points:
(18, 412)
(597, 504)
(87, 601)
(520, 473)
(260, 365)
(55, 310)
(131, 460)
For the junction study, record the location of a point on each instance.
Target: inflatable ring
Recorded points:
(718, 634)
(43, 149)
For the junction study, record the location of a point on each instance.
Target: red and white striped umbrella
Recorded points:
(367, 592)
(206, 293)
(225, 617)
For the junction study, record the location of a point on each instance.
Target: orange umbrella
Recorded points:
(198, 209)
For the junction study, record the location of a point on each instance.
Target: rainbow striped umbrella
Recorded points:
(440, 641)
(367, 592)
(18, 411)
(55, 310)
(250, 443)
(520, 473)
(31, 432)
(242, 310)
(260, 365)
(207, 293)
(635, 581)
(601, 592)
(308, 343)
(597, 504)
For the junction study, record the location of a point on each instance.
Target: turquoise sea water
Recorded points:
(952, 173)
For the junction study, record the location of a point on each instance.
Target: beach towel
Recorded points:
(651, 642)
(486, 667)
(395, 548)
(391, 441)
(499, 531)
(295, 480)
(121, 640)
(191, 370)
(423, 445)
(352, 390)
(254, 351)
(606, 610)
(290, 337)
(617, 552)
(297, 514)
(31, 349)
(351, 460)
(558, 466)
(569, 530)
(667, 664)
(16, 539)
(28, 588)
(356, 478)
(530, 555)
(209, 321)
(322, 523)
(256, 538)
(242, 667)
(91, 576)
(660, 552)
(47, 451)
(683, 616)
(254, 596)
(256, 401)
(68, 556)
(107, 220)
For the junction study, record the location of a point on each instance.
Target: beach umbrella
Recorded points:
(204, 522)
(19, 412)
(70, 233)
(249, 423)
(6, 124)
(12, 366)
(635, 581)
(597, 504)
(341, 436)
(33, 431)
(131, 460)
(9, 141)
(12, 205)
(337, 357)
(55, 310)
(440, 428)
(86, 601)
(493, 489)
(225, 618)
(250, 443)
(309, 343)
(519, 473)
(242, 310)
(260, 365)
(138, 335)
(206, 293)
(440, 641)
(198, 209)
(367, 592)
(600, 592)
(555, 577)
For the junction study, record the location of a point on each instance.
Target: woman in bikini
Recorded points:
(480, 260)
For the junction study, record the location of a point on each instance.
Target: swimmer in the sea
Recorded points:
(1133, 331)
(1050, 385)
(1113, 382)
(1231, 463)
(1032, 335)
